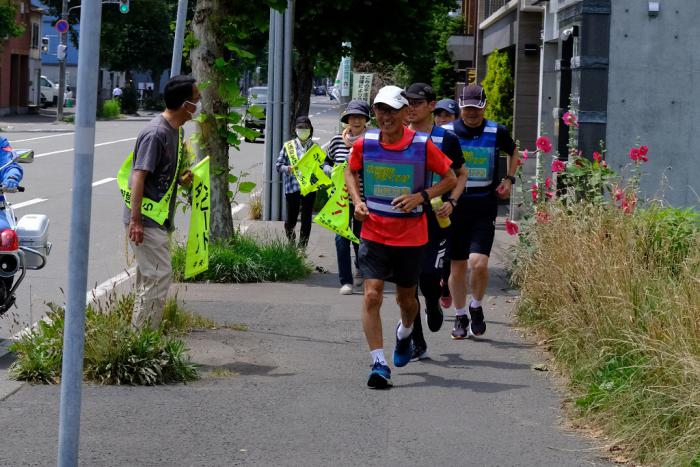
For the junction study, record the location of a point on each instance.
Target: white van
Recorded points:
(49, 92)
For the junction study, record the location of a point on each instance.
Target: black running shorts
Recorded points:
(472, 232)
(398, 264)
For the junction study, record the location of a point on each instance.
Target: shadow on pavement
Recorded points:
(247, 369)
(456, 361)
(475, 386)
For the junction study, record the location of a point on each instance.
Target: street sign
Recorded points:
(62, 26)
(362, 86)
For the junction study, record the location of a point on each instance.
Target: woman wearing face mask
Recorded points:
(292, 193)
(355, 118)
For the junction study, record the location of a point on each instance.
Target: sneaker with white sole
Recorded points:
(346, 289)
(358, 280)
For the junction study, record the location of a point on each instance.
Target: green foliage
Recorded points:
(154, 102)
(402, 76)
(8, 25)
(498, 85)
(444, 76)
(110, 109)
(114, 352)
(246, 259)
(130, 100)
(587, 181)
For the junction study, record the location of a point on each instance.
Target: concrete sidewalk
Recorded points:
(291, 390)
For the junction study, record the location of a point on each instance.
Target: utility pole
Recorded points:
(176, 63)
(78, 248)
(62, 64)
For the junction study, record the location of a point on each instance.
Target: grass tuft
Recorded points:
(114, 352)
(618, 296)
(245, 259)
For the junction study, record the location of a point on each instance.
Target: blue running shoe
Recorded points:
(379, 377)
(403, 351)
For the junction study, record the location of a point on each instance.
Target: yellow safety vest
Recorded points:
(155, 210)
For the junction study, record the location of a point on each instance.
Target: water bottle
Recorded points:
(436, 203)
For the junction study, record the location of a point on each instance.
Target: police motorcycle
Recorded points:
(23, 244)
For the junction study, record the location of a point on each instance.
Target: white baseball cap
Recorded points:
(393, 96)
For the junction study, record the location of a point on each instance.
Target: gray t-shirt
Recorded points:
(156, 152)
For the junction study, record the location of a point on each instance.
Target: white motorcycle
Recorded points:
(23, 245)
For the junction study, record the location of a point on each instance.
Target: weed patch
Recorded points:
(245, 259)
(114, 352)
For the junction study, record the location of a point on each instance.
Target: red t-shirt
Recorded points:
(399, 231)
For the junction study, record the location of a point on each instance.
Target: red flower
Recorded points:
(549, 194)
(543, 144)
(533, 190)
(634, 154)
(511, 227)
(570, 119)
(643, 150)
(558, 166)
(597, 157)
(525, 155)
(618, 194)
(542, 217)
(548, 182)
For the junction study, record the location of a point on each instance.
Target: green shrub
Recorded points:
(114, 352)
(154, 103)
(617, 295)
(499, 86)
(110, 109)
(246, 259)
(130, 100)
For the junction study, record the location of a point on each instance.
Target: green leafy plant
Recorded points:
(498, 85)
(114, 352)
(110, 109)
(130, 100)
(246, 259)
(8, 23)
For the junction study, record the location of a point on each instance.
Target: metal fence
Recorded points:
(488, 7)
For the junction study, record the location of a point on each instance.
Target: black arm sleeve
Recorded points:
(453, 150)
(504, 142)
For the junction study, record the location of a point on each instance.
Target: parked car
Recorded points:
(49, 92)
(319, 90)
(257, 96)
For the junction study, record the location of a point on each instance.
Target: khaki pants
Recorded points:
(153, 275)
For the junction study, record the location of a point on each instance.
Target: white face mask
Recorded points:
(303, 133)
(197, 109)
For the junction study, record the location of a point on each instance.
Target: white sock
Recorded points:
(378, 356)
(461, 311)
(403, 332)
(475, 303)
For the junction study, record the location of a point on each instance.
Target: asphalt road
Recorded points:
(48, 184)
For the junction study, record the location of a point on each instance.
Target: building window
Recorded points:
(35, 36)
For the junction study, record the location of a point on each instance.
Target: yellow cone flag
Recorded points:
(197, 251)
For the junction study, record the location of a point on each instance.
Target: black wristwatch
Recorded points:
(452, 202)
(511, 178)
(426, 196)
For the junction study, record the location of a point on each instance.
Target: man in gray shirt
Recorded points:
(149, 194)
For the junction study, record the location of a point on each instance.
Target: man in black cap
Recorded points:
(421, 104)
(474, 220)
(445, 112)
(290, 155)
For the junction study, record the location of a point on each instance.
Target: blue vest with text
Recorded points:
(436, 135)
(388, 174)
(479, 159)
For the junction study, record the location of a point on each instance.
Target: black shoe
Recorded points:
(420, 351)
(478, 326)
(461, 327)
(435, 318)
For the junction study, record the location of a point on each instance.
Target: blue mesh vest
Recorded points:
(388, 174)
(480, 159)
(436, 135)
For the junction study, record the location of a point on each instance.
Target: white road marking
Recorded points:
(28, 203)
(71, 149)
(107, 286)
(41, 137)
(103, 181)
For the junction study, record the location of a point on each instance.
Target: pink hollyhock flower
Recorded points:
(533, 190)
(558, 166)
(543, 144)
(643, 150)
(618, 194)
(548, 182)
(570, 119)
(525, 155)
(511, 227)
(628, 204)
(597, 157)
(634, 154)
(542, 217)
(549, 194)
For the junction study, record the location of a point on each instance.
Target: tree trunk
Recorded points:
(303, 82)
(208, 14)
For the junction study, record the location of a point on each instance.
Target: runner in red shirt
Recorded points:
(392, 163)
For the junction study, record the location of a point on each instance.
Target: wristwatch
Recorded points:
(426, 196)
(511, 178)
(452, 202)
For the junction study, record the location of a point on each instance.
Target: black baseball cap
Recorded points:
(355, 107)
(420, 91)
(303, 122)
(472, 96)
(449, 105)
